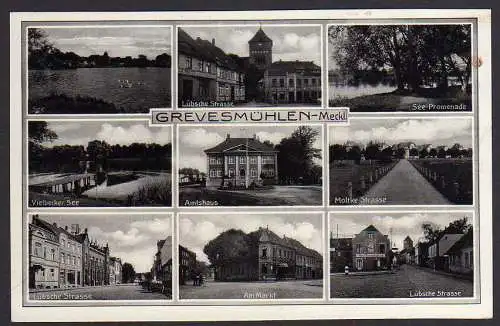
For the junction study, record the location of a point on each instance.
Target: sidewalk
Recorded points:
(439, 272)
(79, 287)
(364, 273)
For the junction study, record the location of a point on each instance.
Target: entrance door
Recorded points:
(187, 89)
(232, 93)
(291, 97)
(359, 264)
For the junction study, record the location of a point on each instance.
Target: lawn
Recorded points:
(453, 170)
(342, 174)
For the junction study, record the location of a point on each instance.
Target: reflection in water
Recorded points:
(134, 89)
(343, 91)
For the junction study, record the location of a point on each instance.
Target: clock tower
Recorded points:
(261, 50)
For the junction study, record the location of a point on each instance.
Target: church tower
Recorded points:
(261, 50)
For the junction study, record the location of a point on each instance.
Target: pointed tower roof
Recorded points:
(260, 36)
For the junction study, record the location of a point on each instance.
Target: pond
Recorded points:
(132, 89)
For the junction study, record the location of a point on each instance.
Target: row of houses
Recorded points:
(371, 250)
(451, 252)
(62, 257)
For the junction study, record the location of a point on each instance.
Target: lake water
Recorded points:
(134, 89)
(355, 91)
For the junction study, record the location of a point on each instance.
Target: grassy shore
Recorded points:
(400, 101)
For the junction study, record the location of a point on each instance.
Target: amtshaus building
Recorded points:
(241, 162)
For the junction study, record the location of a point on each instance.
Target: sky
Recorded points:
(196, 230)
(301, 43)
(392, 131)
(117, 41)
(116, 132)
(194, 140)
(402, 224)
(131, 237)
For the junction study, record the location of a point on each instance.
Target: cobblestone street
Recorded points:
(254, 290)
(109, 292)
(403, 283)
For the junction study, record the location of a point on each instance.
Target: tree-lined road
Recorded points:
(404, 185)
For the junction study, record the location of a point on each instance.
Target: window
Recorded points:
(253, 159)
(381, 248)
(62, 258)
(273, 83)
(52, 274)
(230, 159)
(370, 235)
(52, 254)
(189, 62)
(219, 173)
(243, 159)
(299, 82)
(290, 82)
(220, 160)
(212, 160)
(279, 252)
(282, 82)
(358, 248)
(371, 248)
(200, 65)
(213, 173)
(207, 67)
(313, 81)
(253, 173)
(38, 249)
(264, 253)
(231, 173)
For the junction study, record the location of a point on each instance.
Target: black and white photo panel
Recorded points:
(83, 257)
(409, 68)
(100, 69)
(402, 255)
(250, 165)
(256, 65)
(250, 256)
(98, 164)
(402, 162)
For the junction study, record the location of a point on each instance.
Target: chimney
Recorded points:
(65, 228)
(85, 231)
(213, 41)
(228, 136)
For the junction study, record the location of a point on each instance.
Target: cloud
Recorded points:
(63, 127)
(427, 131)
(160, 226)
(274, 137)
(129, 238)
(200, 138)
(141, 259)
(134, 134)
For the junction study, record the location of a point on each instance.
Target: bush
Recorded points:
(154, 193)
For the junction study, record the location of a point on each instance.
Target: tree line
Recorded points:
(42, 54)
(377, 151)
(433, 232)
(416, 55)
(72, 158)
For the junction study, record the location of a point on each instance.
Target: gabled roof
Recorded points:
(287, 242)
(53, 228)
(260, 36)
(463, 242)
(230, 143)
(205, 50)
(371, 228)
